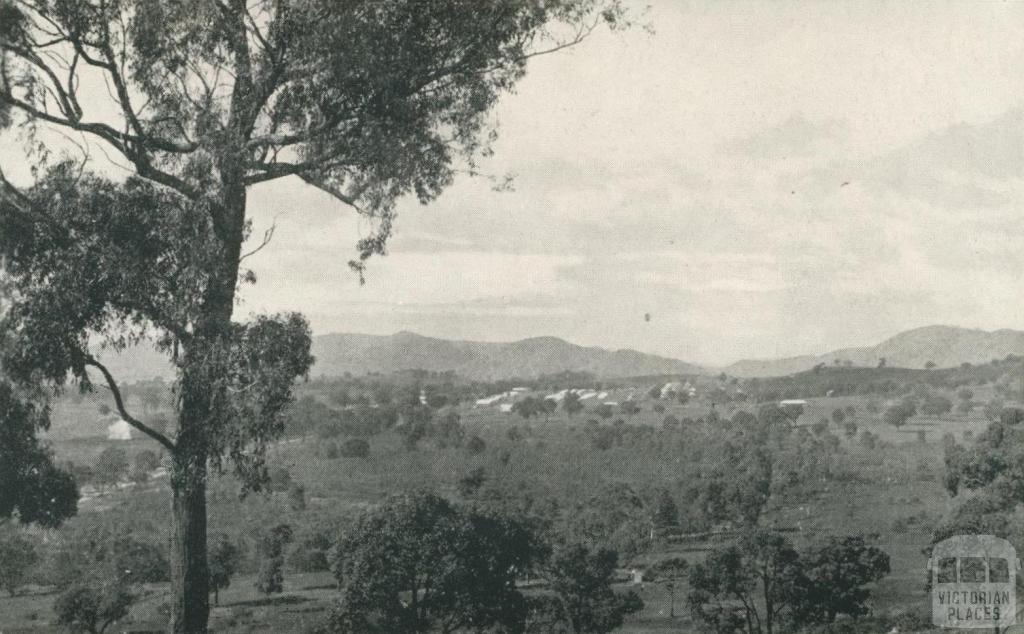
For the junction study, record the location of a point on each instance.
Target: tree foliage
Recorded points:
(111, 466)
(898, 414)
(102, 570)
(225, 557)
(762, 584)
(419, 564)
(581, 577)
(34, 490)
(18, 555)
(93, 607)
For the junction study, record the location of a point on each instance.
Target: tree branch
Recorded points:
(119, 402)
(267, 237)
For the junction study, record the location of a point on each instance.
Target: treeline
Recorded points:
(1003, 374)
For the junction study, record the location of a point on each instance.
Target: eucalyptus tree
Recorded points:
(369, 101)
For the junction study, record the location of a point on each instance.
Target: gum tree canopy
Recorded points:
(367, 100)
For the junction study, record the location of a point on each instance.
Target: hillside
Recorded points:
(358, 354)
(336, 354)
(946, 346)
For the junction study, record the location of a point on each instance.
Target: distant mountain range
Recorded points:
(336, 354)
(945, 346)
(358, 354)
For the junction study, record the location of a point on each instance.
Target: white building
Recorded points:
(119, 430)
(490, 400)
(557, 397)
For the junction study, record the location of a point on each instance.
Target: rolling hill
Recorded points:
(945, 346)
(359, 354)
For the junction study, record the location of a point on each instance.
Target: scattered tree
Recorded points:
(629, 408)
(666, 512)
(472, 482)
(297, 498)
(934, 405)
(111, 466)
(280, 479)
(225, 558)
(898, 414)
(572, 404)
(671, 573)
(355, 448)
(836, 575)
(671, 423)
(476, 445)
(270, 549)
(102, 571)
(18, 556)
(749, 587)
(90, 607)
(457, 568)
(581, 578)
(312, 549)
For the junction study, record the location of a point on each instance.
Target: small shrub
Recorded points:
(355, 448)
(476, 445)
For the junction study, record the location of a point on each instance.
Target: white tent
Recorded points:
(119, 430)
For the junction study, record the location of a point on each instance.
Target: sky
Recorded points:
(751, 180)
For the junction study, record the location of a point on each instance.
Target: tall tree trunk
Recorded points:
(190, 578)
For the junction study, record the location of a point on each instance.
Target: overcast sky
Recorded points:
(760, 179)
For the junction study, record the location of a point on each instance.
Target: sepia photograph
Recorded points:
(511, 316)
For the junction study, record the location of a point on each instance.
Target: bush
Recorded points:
(472, 482)
(270, 548)
(280, 479)
(912, 621)
(297, 498)
(224, 558)
(111, 466)
(18, 556)
(355, 448)
(331, 451)
(91, 607)
(476, 445)
(270, 577)
(311, 552)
